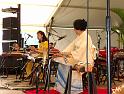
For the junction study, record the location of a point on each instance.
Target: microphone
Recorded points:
(30, 35)
(62, 37)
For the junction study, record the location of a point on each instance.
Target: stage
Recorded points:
(11, 85)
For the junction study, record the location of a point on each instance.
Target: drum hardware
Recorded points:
(117, 58)
(3, 67)
(22, 72)
(38, 63)
(45, 71)
(36, 69)
(22, 69)
(101, 61)
(5, 55)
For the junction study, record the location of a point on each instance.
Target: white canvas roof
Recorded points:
(75, 9)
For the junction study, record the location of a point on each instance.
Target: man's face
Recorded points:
(39, 36)
(16, 46)
(77, 32)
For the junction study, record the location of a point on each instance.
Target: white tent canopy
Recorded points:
(75, 9)
(64, 13)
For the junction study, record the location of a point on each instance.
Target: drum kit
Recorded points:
(34, 68)
(29, 56)
(115, 56)
(102, 52)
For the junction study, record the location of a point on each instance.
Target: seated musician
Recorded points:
(53, 50)
(40, 51)
(75, 55)
(14, 58)
(15, 47)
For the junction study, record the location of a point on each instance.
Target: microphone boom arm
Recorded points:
(60, 37)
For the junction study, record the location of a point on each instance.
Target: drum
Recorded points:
(102, 52)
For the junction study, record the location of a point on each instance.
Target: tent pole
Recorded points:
(90, 89)
(108, 44)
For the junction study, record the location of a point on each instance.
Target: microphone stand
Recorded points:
(25, 43)
(47, 83)
(54, 35)
(90, 88)
(97, 60)
(99, 41)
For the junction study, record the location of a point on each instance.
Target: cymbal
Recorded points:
(8, 41)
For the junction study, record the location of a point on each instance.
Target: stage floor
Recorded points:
(12, 86)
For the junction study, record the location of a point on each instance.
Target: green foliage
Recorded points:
(120, 13)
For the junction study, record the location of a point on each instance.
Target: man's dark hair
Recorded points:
(44, 36)
(80, 24)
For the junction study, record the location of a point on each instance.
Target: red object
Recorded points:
(41, 92)
(99, 91)
(102, 52)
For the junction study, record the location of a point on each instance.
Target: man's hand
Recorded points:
(32, 48)
(83, 68)
(90, 67)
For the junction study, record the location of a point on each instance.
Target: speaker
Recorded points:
(11, 34)
(10, 22)
(6, 47)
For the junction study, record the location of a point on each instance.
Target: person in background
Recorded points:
(15, 47)
(75, 55)
(53, 50)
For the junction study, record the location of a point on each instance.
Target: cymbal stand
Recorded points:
(2, 67)
(38, 74)
(3, 63)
